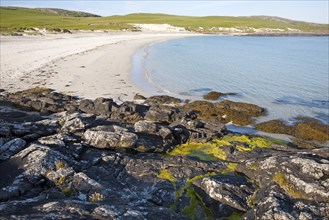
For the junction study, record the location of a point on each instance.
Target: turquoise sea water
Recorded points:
(287, 75)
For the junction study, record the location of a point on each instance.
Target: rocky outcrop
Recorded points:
(101, 160)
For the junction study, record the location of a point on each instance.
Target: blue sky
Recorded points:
(311, 11)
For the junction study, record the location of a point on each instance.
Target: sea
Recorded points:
(289, 76)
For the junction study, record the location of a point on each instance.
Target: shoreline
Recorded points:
(85, 65)
(88, 72)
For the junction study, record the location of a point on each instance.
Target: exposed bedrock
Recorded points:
(66, 157)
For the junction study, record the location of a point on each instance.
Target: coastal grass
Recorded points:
(14, 19)
(19, 19)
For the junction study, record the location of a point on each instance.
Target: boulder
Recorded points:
(87, 106)
(76, 122)
(146, 127)
(103, 106)
(109, 139)
(11, 148)
(228, 189)
(129, 112)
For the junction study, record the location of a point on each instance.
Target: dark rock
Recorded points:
(67, 31)
(150, 143)
(11, 115)
(87, 106)
(40, 128)
(103, 106)
(11, 148)
(200, 131)
(181, 134)
(40, 99)
(4, 130)
(153, 137)
(129, 112)
(167, 114)
(139, 97)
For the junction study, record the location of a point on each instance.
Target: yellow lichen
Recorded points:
(253, 166)
(166, 175)
(59, 165)
(67, 191)
(61, 180)
(280, 179)
(96, 197)
(229, 168)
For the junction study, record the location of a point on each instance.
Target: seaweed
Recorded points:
(226, 111)
(305, 128)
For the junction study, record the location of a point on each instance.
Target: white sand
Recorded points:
(87, 65)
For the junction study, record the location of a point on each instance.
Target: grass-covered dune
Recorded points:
(15, 19)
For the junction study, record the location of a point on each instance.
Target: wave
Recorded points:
(290, 100)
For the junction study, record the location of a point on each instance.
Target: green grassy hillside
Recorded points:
(63, 12)
(17, 19)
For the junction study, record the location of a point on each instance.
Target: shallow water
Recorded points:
(287, 75)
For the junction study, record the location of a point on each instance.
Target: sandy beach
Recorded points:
(88, 65)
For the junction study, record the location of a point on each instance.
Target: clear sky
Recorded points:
(311, 11)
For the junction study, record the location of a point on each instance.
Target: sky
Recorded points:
(310, 11)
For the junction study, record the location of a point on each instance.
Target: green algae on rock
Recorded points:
(203, 151)
(194, 198)
(214, 150)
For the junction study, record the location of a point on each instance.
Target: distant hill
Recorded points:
(63, 12)
(14, 19)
